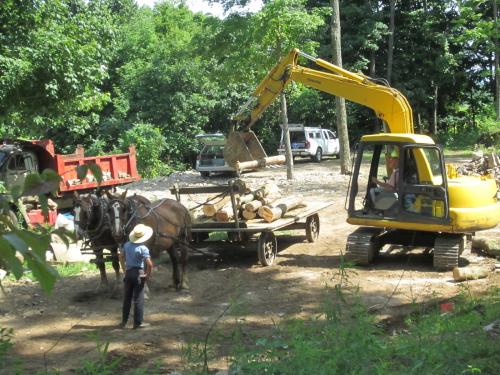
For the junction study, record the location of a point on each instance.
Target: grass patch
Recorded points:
(64, 270)
(346, 339)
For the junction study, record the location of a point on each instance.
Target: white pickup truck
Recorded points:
(311, 142)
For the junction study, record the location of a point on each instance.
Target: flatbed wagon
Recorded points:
(238, 230)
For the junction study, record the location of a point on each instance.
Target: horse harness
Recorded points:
(103, 223)
(132, 207)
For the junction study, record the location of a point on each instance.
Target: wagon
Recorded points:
(241, 230)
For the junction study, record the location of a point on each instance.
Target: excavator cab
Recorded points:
(398, 184)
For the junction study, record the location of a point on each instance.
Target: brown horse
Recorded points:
(92, 223)
(171, 225)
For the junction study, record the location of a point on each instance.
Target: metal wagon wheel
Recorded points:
(312, 228)
(267, 248)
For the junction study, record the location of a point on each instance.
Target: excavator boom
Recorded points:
(388, 103)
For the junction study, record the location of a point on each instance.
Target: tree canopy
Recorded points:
(104, 73)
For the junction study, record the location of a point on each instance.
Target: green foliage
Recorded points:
(350, 342)
(150, 145)
(104, 365)
(86, 71)
(6, 335)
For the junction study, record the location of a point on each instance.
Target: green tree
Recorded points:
(53, 67)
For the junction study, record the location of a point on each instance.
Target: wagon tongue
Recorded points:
(242, 146)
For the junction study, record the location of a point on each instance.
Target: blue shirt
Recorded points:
(135, 253)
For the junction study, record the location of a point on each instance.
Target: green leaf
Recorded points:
(16, 242)
(81, 171)
(40, 184)
(43, 272)
(8, 255)
(38, 243)
(96, 171)
(64, 235)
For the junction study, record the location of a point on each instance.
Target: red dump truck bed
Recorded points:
(116, 169)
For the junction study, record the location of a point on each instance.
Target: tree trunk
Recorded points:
(345, 153)
(434, 129)
(390, 50)
(286, 135)
(497, 60)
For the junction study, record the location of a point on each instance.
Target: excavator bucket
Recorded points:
(241, 147)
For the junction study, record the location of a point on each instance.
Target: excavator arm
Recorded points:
(388, 103)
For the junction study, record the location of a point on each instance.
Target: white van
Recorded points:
(311, 142)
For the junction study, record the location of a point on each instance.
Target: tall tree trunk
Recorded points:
(345, 157)
(434, 129)
(286, 136)
(390, 50)
(497, 60)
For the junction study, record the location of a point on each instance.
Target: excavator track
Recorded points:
(446, 250)
(361, 247)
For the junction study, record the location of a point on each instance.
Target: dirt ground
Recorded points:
(60, 330)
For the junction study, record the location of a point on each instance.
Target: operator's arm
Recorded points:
(384, 185)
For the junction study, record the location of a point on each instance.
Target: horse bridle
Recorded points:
(98, 229)
(119, 206)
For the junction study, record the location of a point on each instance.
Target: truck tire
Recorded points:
(318, 156)
(205, 174)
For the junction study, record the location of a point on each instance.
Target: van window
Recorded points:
(330, 134)
(311, 135)
(325, 134)
(317, 135)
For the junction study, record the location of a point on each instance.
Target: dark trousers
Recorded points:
(133, 291)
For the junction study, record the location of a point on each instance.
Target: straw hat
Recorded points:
(141, 233)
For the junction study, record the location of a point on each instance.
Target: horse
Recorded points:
(92, 223)
(171, 223)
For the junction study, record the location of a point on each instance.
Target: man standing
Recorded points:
(136, 261)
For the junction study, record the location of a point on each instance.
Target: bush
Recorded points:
(150, 145)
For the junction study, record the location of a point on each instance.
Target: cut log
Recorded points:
(469, 273)
(210, 209)
(260, 163)
(248, 215)
(225, 213)
(280, 208)
(269, 188)
(246, 198)
(253, 205)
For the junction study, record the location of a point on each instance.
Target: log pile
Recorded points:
(482, 164)
(264, 202)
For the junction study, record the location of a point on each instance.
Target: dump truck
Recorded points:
(18, 158)
(429, 204)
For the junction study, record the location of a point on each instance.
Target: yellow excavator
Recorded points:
(422, 205)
